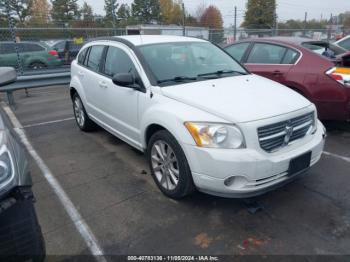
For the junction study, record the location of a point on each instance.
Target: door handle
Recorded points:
(103, 84)
(277, 73)
(81, 74)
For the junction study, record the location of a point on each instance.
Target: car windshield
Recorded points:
(189, 62)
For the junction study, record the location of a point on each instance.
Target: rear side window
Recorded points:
(31, 48)
(82, 55)
(345, 44)
(237, 51)
(7, 48)
(60, 47)
(266, 54)
(117, 61)
(291, 57)
(94, 60)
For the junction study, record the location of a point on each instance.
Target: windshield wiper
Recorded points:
(221, 73)
(179, 79)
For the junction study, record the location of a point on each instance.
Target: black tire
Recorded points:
(185, 185)
(37, 65)
(87, 125)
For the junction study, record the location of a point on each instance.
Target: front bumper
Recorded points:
(256, 171)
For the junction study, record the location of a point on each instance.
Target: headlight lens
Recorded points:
(6, 166)
(213, 135)
(313, 128)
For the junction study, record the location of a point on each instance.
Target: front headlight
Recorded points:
(6, 167)
(313, 128)
(212, 135)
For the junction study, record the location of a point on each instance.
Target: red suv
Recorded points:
(306, 66)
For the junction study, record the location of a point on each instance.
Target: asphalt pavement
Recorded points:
(109, 184)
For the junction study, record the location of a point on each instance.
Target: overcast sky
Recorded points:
(287, 9)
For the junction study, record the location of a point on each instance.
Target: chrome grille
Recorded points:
(276, 136)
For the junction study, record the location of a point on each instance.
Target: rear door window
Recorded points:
(266, 54)
(237, 51)
(31, 48)
(82, 55)
(290, 57)
(7, 48)
(95, 58)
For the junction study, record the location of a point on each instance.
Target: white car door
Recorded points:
(120, 104)
(91, 78)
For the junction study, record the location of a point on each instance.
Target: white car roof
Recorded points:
(138, 40)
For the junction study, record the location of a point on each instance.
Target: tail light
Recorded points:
(53, 53)
(341, 75)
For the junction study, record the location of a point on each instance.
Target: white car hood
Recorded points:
(239, 99)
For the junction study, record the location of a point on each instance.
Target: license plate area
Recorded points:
(299, 164)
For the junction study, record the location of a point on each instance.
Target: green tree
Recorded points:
(111, 7)
(3, 15)
(191, 20)
(64, 11)
(124, 15)
(299, 24)
(146, 11)
(86, 12)
(260, 14)
(347, 22)
(344, 19)
(21, 9)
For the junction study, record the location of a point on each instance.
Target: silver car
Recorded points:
(20, 232)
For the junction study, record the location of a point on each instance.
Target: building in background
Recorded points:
(200, 32)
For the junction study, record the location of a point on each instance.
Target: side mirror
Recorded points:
(8, 75)
(124, 79)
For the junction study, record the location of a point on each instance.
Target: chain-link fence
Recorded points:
(38, 48)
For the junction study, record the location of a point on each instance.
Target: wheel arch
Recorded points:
(72, 92)
(151, 130)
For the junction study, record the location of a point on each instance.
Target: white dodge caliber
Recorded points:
(203, 120)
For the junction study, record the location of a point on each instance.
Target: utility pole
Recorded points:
(183, 19)
(275, 33)
(114, 18)
(305, 21)
(235, 26)
(330, 27)
(276, 25)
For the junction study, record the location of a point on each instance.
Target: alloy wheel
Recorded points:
(79, 112)
(165, 165)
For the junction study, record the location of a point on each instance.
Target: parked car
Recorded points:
(344, 43)
(203, 120)
(67, 49)
(20, 232)
(33, 55)
(293, 62)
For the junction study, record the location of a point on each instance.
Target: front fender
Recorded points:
(171, 115)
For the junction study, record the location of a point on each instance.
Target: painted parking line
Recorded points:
(49, 122)
(344, 158)
(68, 205)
